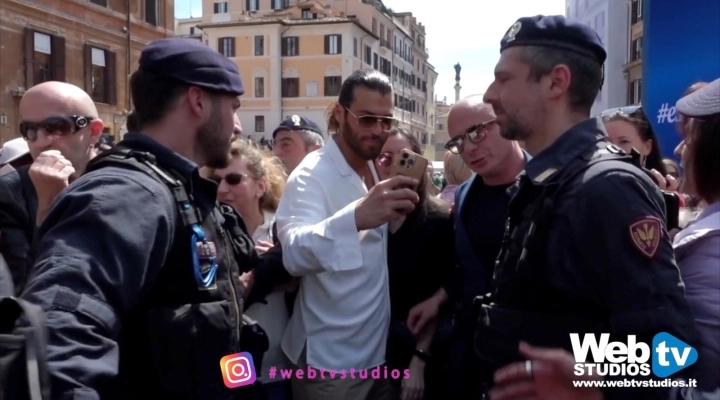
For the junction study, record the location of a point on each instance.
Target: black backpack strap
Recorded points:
(542, 211)
(189, 214)
(35, 340)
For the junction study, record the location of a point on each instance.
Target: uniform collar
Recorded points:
(167, 158)
(566, 148)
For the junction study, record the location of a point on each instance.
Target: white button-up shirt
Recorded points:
(342, 310)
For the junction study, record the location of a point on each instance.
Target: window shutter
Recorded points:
(339, 44)
(283, 46)
(87, 66)
(327, 44)
(219, 45)
(58, 58)
(232, 47)
(111, 77)
(247, 5)
(29, 58)
(297, 45)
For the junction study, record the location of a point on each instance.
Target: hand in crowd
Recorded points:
(424, 313)
(50, 174)
(386, 201)
(262, 246)
(414, 388)
(549, 377)
(668, 183)
(247, 280)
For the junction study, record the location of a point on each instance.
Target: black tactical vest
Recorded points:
(171, 344)
(523, 304)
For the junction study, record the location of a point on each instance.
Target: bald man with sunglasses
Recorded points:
(60, 123)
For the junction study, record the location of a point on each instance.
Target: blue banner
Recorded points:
(681, 46)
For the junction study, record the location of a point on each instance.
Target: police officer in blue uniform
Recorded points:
(586, 248)
(137, 269)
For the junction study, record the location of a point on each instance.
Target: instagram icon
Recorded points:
(238, 370)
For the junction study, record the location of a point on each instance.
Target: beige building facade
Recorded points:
(633, 69)
(294, 56)
(432, 76)
(442, 108)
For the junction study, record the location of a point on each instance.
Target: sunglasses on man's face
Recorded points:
(232, 179)
(630, 111)
(370, 121)
(474, 134)
(54, 126)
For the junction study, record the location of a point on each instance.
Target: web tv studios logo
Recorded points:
(668, 353)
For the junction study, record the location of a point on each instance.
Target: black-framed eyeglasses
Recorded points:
(54, 126)
(370, 121)
(630, 111)
(232, 179)
(475, 134)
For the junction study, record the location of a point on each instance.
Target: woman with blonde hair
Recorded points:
(456, 172)
(252, 183)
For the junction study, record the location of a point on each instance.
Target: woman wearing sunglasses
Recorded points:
(420, 256)
(629, 128)
(252, 183)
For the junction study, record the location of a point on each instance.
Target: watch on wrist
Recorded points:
(422, 354)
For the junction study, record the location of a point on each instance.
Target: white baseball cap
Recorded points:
(12, 150)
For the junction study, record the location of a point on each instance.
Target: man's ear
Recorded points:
(96, 130)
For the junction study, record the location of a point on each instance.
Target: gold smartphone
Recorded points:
(410, 164)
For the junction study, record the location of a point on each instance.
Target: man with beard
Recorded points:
(133, 271)
(586, 249)
(332, 224)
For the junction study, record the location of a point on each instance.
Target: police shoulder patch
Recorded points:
(645, 234)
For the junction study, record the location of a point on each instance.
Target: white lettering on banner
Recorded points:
(610, 358)
(667, 114)
(42, 43)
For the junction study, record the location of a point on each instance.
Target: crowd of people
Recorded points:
(129, 272)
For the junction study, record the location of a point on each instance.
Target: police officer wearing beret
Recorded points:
(586, 248)
(142, 299)
(294, 139)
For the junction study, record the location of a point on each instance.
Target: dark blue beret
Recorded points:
(192, 62)
(298, 123)
(555, 31)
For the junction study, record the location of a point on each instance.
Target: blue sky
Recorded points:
(470, 38)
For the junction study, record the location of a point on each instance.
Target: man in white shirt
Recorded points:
(332, 223)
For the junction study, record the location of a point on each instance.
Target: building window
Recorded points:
(332, 85)
(636, 11)
(374, 26)
(44, 58)
(220, 8)
(259, 87)
(306, 14)
(259, 45)
(375, 61)
(280, 4)
(355, 47)
(290, 87)
(290, 46)
(152, 12)
(600, 21)
(368, 55)
(100, 2)
(636, 49)
(635, 92)
(226, 46)
(259, 123)
(252, 5)
(333, 44)
(100, 75)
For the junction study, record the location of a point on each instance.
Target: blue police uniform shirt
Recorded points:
(595, 252)
(102, 247)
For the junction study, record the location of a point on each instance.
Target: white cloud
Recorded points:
(470, 35)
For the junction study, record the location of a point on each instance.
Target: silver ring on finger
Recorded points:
(528, 368)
